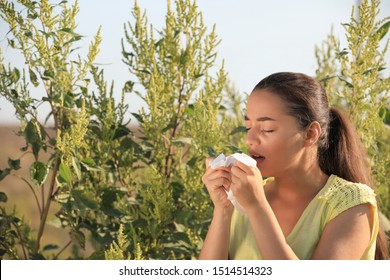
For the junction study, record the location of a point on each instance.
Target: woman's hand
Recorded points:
(217, 181)
(247, 185)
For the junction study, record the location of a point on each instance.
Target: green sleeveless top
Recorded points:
(335, 197)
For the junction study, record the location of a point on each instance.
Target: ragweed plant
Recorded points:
(178, 78)
(355, 79)
(56, 75)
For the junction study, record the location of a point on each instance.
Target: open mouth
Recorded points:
(258, 157)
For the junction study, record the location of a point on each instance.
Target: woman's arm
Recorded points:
(346, 237)
(216, 244)
(269, 237)
(266, 230)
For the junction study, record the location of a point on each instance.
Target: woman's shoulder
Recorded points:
(337, 187)
(340, 194)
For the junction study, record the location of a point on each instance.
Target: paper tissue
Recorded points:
(227, 161)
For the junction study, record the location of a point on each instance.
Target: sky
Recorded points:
(258, 38)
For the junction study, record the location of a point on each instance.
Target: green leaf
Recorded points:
(372, 69)
(85, 199)
(177, 190)
(181, 236)
(128, 86)
(15, 75)
(385, 114)
(191, 163)
(342, 53)
(327, 78)
(48, 74)
(36, 147)
(169, 126)
(84, 89)
(14, 93)
(50, 247)
(190, 110)
(238, 129)
(108, 196)
(88, 161)
(71, 32)
(234, 149)
(3, 197)
(144, 71)
(65, 173)
(14, 164)
(138, 117)
(32, 16)
(76, 167)
(31, 133)
(183, 140)
(382, 31)
(112, 212)
(121, 131)
(33, 78)
(348, 84)
(39, 172)
(198, 75)
(183, 58)
(11, 43)
(159, 42)
(212, 152)
(128, 143)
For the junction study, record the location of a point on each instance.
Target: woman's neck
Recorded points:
(302, 182)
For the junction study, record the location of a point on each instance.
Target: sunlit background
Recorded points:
(257, 37)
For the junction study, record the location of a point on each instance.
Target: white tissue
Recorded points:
(223, 161)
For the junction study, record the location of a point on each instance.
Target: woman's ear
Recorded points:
(313, 132)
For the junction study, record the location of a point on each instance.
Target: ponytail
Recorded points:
(344, 156)
(343, 148)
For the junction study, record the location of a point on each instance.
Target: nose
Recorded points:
(252, 138)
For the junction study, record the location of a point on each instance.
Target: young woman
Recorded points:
(316, 203)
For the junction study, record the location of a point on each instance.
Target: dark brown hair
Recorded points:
(340, 151)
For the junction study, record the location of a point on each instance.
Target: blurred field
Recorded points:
(20, 196)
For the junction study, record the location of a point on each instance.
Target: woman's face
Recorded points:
(274, 139)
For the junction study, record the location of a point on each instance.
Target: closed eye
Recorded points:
(262, 130)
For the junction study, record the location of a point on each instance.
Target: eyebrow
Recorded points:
(261, 119)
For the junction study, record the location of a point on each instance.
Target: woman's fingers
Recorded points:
(219, 173)
(221, 182)
(212, 174)
(217, 181)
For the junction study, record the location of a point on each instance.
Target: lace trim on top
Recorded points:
(342, 195)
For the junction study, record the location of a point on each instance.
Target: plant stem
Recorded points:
(176, 125)
(63, 249)
(43, 198)
(47, 205)
(21, 240)
(32, 189)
